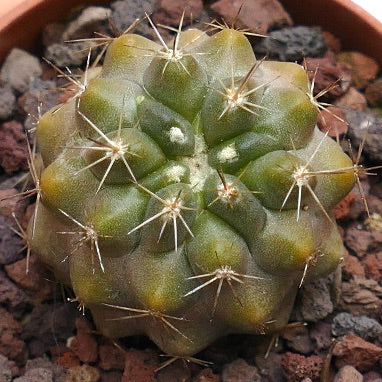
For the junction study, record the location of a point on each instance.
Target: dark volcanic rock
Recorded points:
(293, 43)
(362, 326)
(358, 123)
(125, 12)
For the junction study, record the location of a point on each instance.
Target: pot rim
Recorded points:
(353, 24)
(355, 27)
(20, 16)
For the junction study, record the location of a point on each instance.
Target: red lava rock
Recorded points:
(329, 70)
(67, 360)
(363, 68)
(9, 202)
(177, 371)
(111, 376)
(342, 209)
(169, 12)
(373, 266)
(298, 339)
(70, 91)
(353, 350)
(140, 366)
(240, 371)
(332, 119)
(352, 99)
(35, 280)
(10, 244)
(352, 267)
(373, 93)
(333, 42)
(348, 374)
(8, 369)
(13, 150)
(27, 215)
(11, 345)
(361, 297)
(362, 241)
(84, 373)
(48, 325)
(372, 376)
(321, 335)
(375, 207)
(38, 374)
(270, 368)
(111, 357)
(41, 363)
(315, 301)
(297, 367)
(84, 345)
(256, 15)
(206, 375)
(12, 296)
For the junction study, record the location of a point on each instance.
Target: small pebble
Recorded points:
(7, 369)
(373, 93)
(363, 68)
(140, 365)
(270, 368)
(36, 375)
(7, 102)
(57, 371)
(90, 20)
(326, 72)
(84, 373)
(240, 371)
(316, 303)
(19, 68)
(348, 374)
(68, 54)
(13, 149)
(320, 333)
(352, 99)
(169, 12)
(176, 372)
(258, 16)
(206, 375)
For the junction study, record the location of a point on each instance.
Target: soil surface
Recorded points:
(335, 331)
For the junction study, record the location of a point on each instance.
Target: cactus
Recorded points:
(186, 190)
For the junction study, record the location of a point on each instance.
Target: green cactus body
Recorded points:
(187, 193)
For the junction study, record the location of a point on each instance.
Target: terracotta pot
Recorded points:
(22, 20)
(356, 28)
